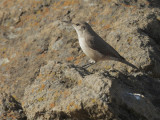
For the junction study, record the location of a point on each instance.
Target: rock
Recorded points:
(66, 92)
(10, 108)
(41, 60)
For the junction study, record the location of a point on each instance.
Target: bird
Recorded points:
(95, 47)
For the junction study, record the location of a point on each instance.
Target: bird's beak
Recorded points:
(70, 24)
(73, 25)
(67, 22)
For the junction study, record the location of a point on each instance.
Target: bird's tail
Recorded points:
(128, 63)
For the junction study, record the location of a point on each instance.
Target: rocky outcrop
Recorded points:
(40, 59)
(72, 92)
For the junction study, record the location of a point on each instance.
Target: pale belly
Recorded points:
(83, 45)
(92, 54)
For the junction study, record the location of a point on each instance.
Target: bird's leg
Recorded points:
(91, 62)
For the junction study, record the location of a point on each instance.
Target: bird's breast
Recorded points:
(86, 49)
(91, 53)
(83, 44)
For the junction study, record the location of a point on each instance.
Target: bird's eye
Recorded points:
(77, 24)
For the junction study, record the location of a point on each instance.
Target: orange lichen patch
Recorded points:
(45, 11)
(76, 106)
(40, 76)
(44, 79)
(42, 87)
(94, 22)
(27, 19)
(35, 23)
(81, 56)
(22, 103)
(67, 3)
(128, 5)
(32, 90)
(77, 62)
(56, 5)
(14, 117)
(8, 3)
(19, 24)
(72, 106)
(133, 10)
(72, 103)
(70, 58)
(60, 4)
(38, 50)
(66, 93)
(52, 105)
(42, 55)
(79, 82)
(70, 2)
(106, 27)
(35, 3)
(56, 93)
(61, 92)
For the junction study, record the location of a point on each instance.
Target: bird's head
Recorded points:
(81, 27)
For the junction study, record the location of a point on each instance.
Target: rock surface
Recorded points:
(40, 60)
(10, 109)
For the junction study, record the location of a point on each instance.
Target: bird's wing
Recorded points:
(98, 44)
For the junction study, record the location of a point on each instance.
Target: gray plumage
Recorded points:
(94, 46)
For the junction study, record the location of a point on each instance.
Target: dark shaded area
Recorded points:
(154, 3)
(153, 29)
(54, 115)
(129, 2)
(141, 84)
(12, 107)
(126, 113)
(82, 70)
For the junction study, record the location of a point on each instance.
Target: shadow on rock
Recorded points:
(134, 96)
(154, 3)
(10, 108)
(82, 71)
(152, 31)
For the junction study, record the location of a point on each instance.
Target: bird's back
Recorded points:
(95, 42)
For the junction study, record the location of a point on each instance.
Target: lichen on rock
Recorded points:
(41, 73)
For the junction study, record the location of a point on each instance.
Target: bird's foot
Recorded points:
(91, 62)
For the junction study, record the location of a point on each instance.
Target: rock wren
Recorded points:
(94, 46)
